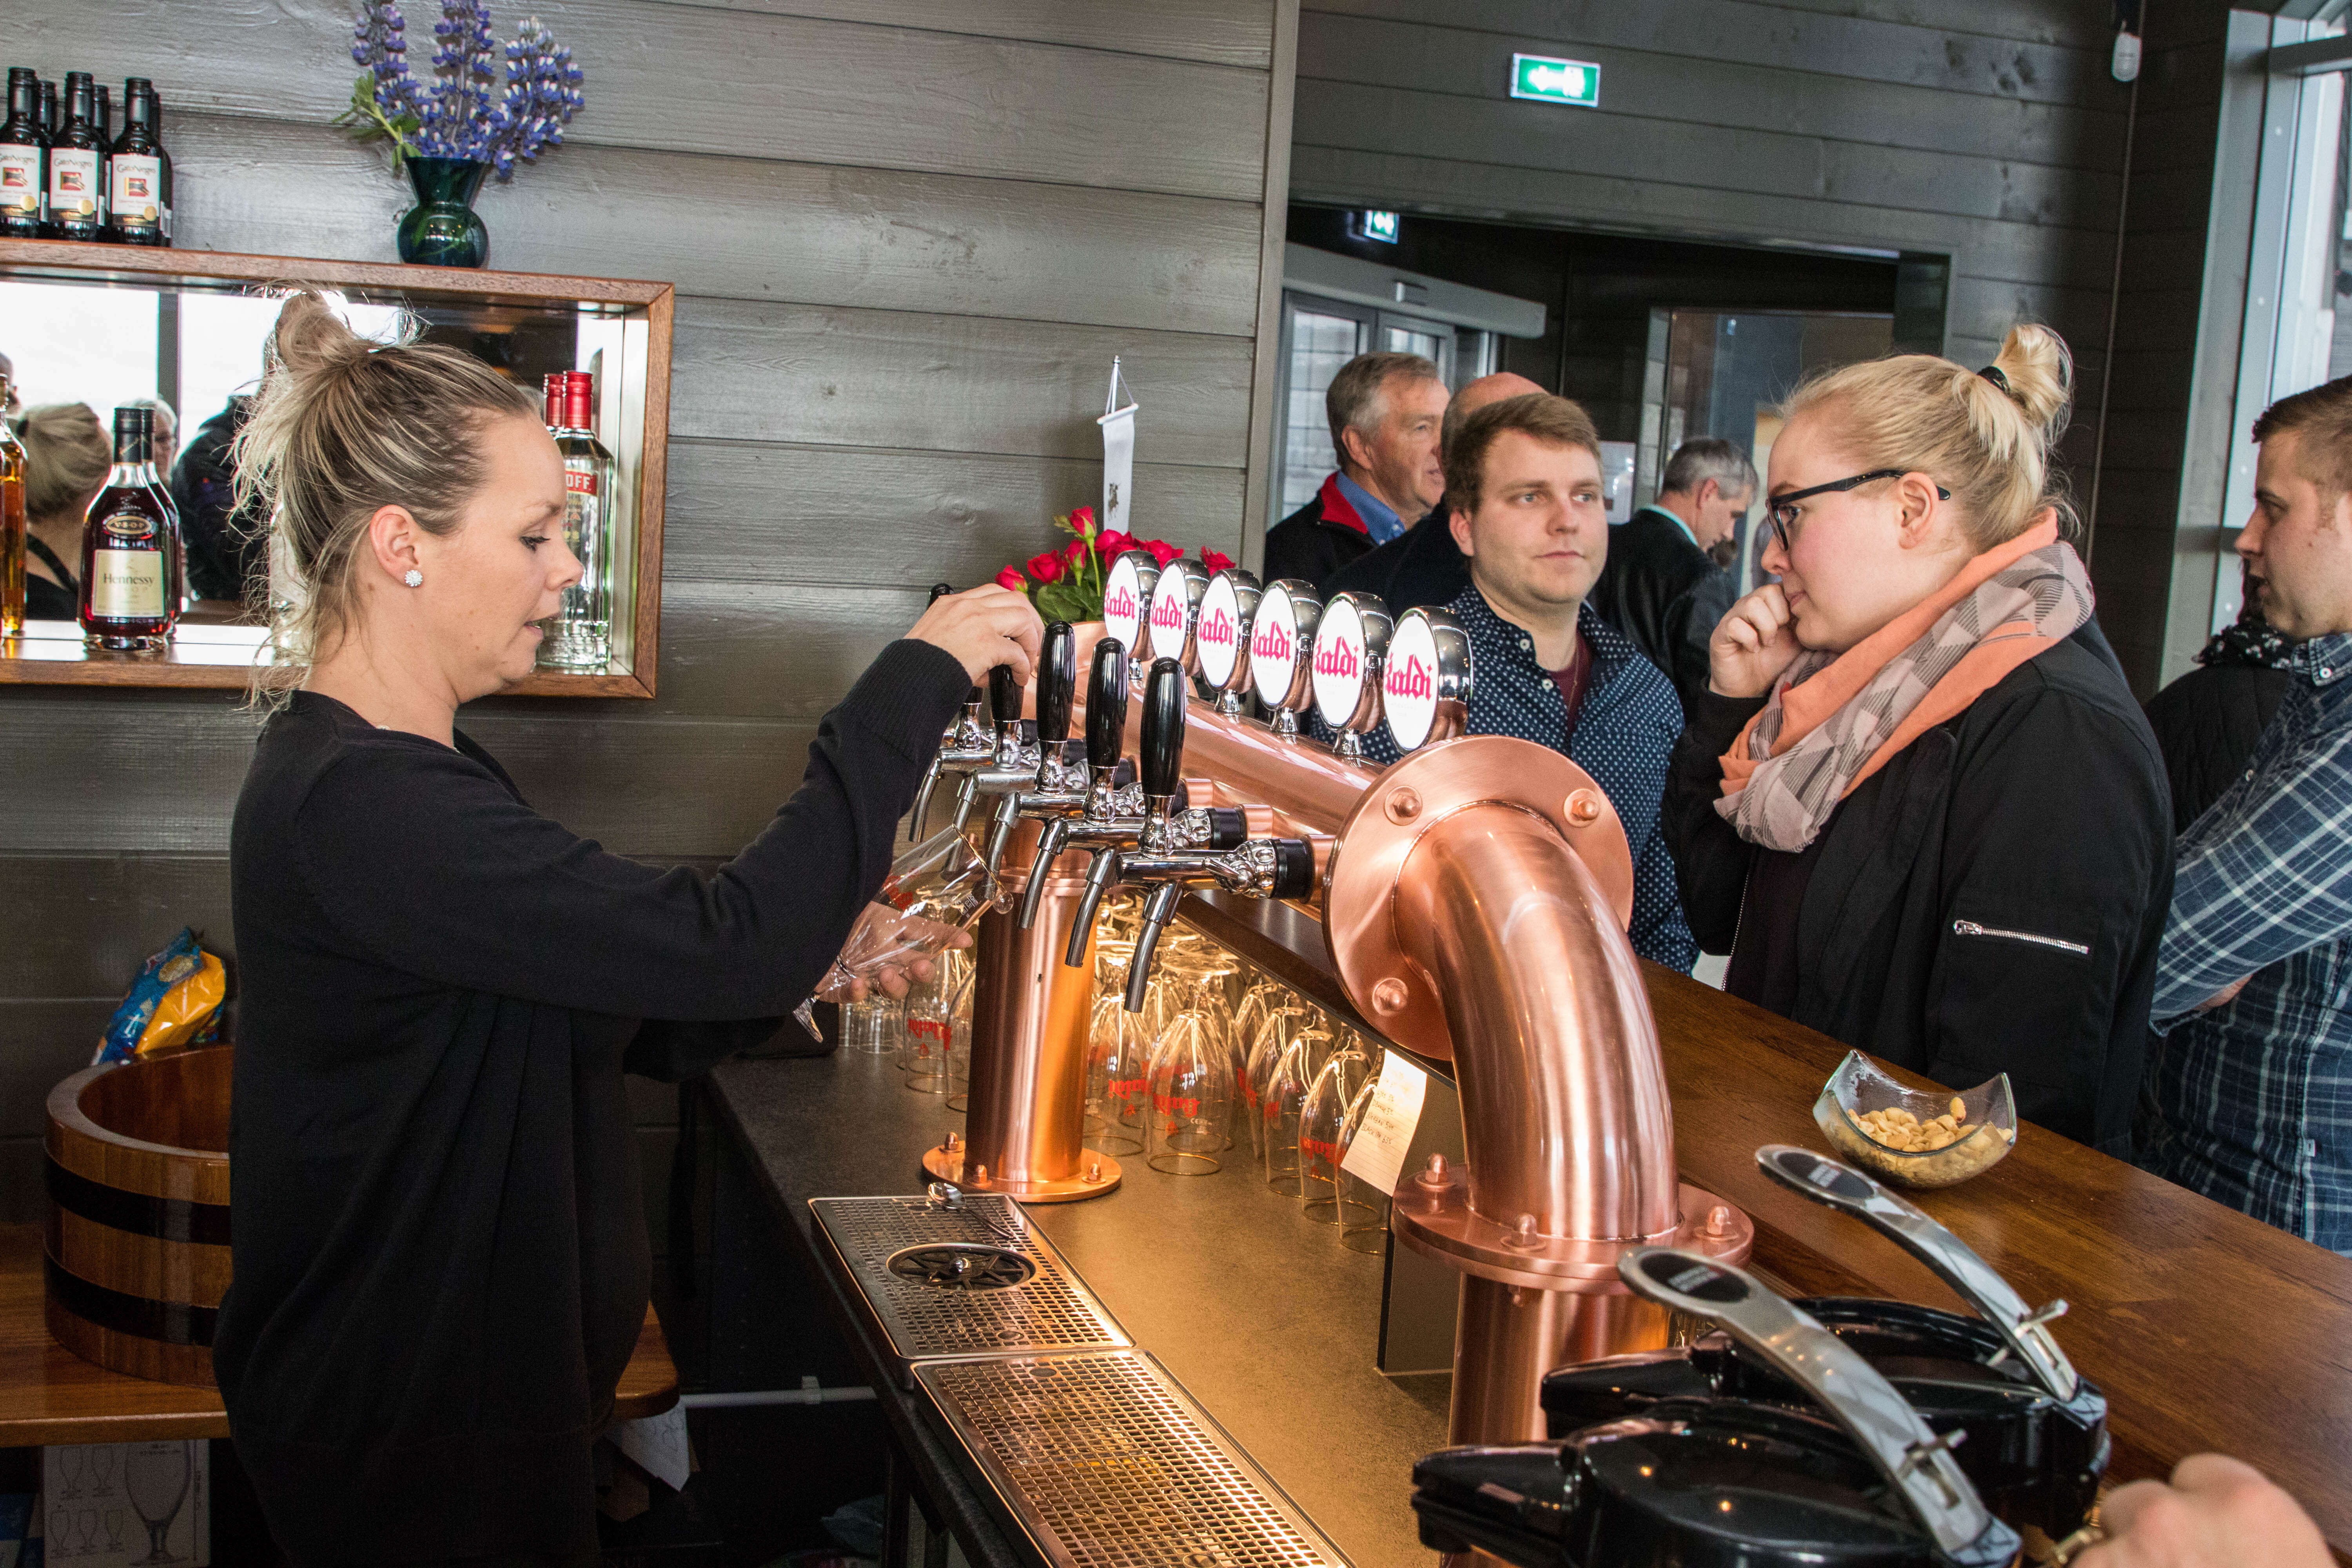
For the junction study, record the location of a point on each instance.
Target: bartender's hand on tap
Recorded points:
(985, 627)
(1754, 642)
(2217, 1512)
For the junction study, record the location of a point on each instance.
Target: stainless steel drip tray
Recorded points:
(1103, 1461)
(973, 1279)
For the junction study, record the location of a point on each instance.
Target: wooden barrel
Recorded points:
(138, 1235)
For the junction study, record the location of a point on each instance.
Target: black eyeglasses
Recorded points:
(1783, 510)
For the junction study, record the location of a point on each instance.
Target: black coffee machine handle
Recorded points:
(1835, 1185)
(1916, 1463)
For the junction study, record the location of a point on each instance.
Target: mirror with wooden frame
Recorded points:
(112, 325)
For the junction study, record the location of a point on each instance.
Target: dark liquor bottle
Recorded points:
(139, 190)
(24, 158)
(76, 164)
(130, 546)
(49, 108)
(12, 526)
(580, 636)
(101, 122)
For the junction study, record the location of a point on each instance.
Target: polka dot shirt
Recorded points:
(1628, 726)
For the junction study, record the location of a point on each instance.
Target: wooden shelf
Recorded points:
(203, 654)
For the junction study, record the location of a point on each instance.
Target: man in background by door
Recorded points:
(1661, 587)
(1424, 568)
(1384, 411)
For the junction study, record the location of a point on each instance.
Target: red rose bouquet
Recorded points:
(1066, 583)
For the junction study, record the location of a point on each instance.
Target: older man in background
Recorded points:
(1662, 586)
(1384, 411)
(1424, 567)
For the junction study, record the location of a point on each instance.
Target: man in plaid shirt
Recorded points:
(2252, 1095)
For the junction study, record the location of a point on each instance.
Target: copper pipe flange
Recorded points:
(1378, 838)
(1432, 1214)
(1097, 1174)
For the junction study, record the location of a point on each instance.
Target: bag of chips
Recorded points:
(175, 1004)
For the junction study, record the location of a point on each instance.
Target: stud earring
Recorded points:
(414, 578)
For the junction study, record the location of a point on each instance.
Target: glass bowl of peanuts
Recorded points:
(1915, 1138)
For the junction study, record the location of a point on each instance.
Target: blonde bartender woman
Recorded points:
(440, 1253)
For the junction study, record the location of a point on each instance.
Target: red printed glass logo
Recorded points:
(1274, 647)
(1168, 619)
(1409, 685)
(1339, 663)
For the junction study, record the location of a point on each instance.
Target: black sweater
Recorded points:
(440, 1252)
(2041, 810)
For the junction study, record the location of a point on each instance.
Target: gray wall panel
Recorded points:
(808, 233)
(695, 80)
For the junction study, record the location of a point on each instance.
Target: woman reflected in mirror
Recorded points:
(67, 455)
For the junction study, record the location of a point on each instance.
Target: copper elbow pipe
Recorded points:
(1564, 1109)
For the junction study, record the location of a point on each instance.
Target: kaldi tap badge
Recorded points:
(1218, 634)
(1409, 685)
(1339, 663)
(1123, 607)
(1168, 624)
(1274, 647)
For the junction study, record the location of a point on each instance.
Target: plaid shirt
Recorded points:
(2253, 1101)
(1625, 732)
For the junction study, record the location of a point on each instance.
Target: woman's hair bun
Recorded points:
(311, 338)
(2040, 371)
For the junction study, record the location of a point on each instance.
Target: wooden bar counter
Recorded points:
(2207, 1330)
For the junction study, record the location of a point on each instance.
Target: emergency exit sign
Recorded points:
(1556, 81)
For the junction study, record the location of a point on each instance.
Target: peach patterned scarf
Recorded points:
(1835, 718)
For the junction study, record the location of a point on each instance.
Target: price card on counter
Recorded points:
(1377, 1156)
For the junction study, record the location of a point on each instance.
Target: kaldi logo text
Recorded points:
(1273, 643)
(1336, 657)
(1120, 605)
(1216, 628)
(1166, 613)
(1408, 678)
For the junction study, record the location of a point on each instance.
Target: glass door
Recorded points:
(1319, 336)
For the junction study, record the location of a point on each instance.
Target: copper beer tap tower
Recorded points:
(1474, 897)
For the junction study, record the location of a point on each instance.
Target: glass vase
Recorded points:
(441, 229)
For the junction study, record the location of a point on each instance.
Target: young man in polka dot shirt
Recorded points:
(1523, 487)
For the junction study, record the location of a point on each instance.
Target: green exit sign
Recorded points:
(1556, 81)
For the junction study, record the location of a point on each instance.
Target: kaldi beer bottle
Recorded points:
(24, 159)
(581, 634)
(130, 545)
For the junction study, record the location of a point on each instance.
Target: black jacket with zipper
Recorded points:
(1990, 901)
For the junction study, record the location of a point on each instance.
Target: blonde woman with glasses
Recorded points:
(1917, 803)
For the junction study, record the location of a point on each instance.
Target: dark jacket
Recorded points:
(2209, 721)
(1317, 539)
(225, 548)
(2042, 810)
(1420, 568)
(439, 1231)
(1661, 589)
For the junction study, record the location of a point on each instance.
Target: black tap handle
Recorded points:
(1005, 694)
(1163, 729)
(1294, 868)
(1057, 683)
(939, 590)
(1106, 705)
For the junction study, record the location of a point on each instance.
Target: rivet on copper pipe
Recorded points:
(1524, 1236)
(980, 1175)
(953, 1144)
(1389, 995)
(1719, 1223)
(1094, 1170)
(1403, 804)
(1435, 1174)
(1584, 809)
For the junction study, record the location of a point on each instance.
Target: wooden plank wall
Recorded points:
(1989, 132)
(908, 236)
